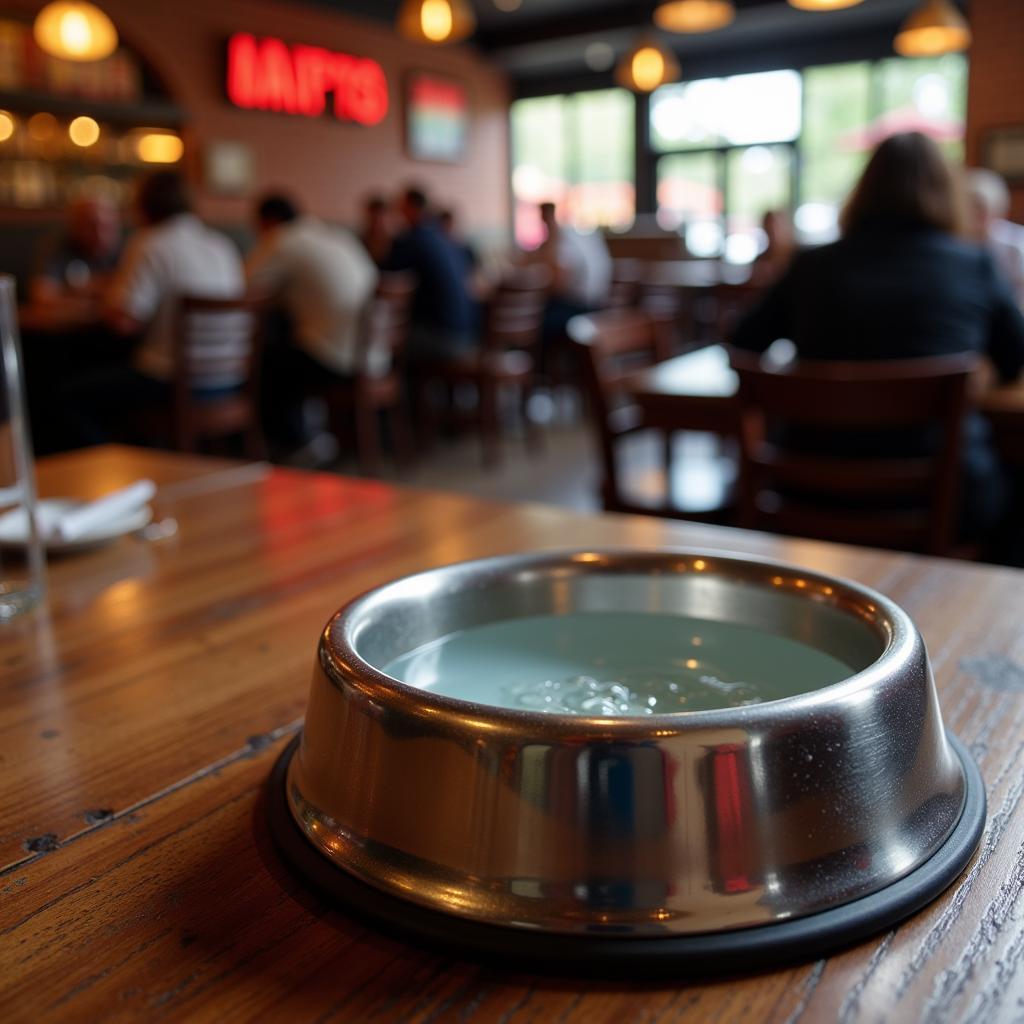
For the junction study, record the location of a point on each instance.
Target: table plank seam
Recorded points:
(254, 745)
(810, 984)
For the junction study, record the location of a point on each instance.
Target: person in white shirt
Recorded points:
(581, 266)
(320, 276)
(171, 255)
(990, 202)
(581, 273)
(321, 279)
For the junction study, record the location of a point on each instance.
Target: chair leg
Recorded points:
(487, 390)
(531, 429)
(423, 417)
(401, 435)
(255, 445)
(367, 437)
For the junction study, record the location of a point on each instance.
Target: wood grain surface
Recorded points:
(141, 711)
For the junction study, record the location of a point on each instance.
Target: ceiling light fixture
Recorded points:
(84, 132)
(823, 5)
(935, 28)
(73, 30)
(646, 67)
(694, 15)
(436, 21)
(157, 147)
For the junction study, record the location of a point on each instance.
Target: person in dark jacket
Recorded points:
(444, 313)
(902, 282)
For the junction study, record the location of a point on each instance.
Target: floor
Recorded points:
(566, 471)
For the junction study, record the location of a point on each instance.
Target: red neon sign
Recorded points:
(268, 74)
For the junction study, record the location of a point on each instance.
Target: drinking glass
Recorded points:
(22, 566)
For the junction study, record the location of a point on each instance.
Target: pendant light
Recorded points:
(935, 28)
(436, 21)
(74, 30)
(694, 15)
(823, 5)
(647, 66)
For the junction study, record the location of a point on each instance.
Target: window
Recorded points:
(728, 150)
(850, 108)
(727, 111)
(728, 157)
(690, 200)
(578, 152)
(833, 147)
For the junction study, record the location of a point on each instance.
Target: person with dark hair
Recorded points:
(990, 204)
(79, 263)
(320, 279)
(581, 272)
(902, 282)
(172, 254)
(448, 227)
(444, 312)
(780, 248)
(376, 233)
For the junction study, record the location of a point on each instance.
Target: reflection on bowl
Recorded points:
(806, 765)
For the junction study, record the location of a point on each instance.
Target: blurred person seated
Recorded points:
(172, 254)
(320, 278)
(901, 282)
(376, 234)
(78, 265)
(444, 312)
(990, 203)
(446, 222)
(774, 259)
(581, 272)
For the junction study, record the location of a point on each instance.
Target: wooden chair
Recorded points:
(378, 384)
(627, 275)
(505, 358)
(891, 500)
(612, 345)
(217, 355)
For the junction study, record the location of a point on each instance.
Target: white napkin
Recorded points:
(79, 521)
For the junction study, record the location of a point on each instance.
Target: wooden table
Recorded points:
(698, 391)
(696, 274)
(144, 706)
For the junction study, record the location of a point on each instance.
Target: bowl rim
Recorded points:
(902, 645)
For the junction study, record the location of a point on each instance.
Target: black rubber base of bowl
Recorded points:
(734, 952)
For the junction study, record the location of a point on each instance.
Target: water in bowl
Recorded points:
(616, 663)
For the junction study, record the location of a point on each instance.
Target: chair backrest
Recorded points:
(515, 311)
(610, 345)
(216, 344)
(625, 287)
(619, 341)
(384, 331)
(804, 426)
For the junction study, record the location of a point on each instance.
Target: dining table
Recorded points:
(144, 702)
(699, 391)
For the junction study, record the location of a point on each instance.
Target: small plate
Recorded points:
(14, 526)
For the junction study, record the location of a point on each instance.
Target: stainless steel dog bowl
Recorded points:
(830, 813)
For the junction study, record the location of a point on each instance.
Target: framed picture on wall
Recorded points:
(1004, 153)
(228, 167)
(436, 118)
